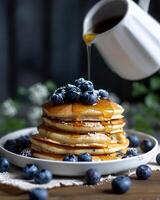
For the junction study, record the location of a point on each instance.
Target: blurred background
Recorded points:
(41, 48)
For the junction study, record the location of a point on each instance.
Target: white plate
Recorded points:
(78, 169)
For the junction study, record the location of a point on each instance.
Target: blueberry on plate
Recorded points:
(92, 176)
(143, 172)
(86, 86)
(103, 94)
(70, 158)
(73, 94)
(4, 164)
(132, 151)
(57, 98)
(158, 158)
(121, 184)
(26, 152)
(38, 194)
(43, 176)
(89, 97)
(79, 81)
(23, 142)
(11, 145)
(29, 171)
(133, 140)
(146, 145)
(85, 157)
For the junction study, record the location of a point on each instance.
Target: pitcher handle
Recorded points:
(144, 4)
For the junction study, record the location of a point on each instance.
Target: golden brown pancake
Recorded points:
(112, 126)
(79, 140)
(44, 146)
(103, 110)
(51, 156)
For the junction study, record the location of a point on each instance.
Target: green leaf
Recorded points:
(152, 101)
(155, 83)
(139, 89)
(50, 85)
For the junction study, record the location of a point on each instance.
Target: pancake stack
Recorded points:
(76, 128)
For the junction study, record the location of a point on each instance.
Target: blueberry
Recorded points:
(10, 145)
(92, 176)
(43, 176)
(143, 172)
(103, 94)
(132, 151)
(85, 157)
(89, 97)
(57, 98)
(133, 140)
(29, 171)
(73, 94)
(70, 158)
(121, 184)
(86, 86)
(26, 152)
(146, 145)
(79, 81)
(70, 87)
(158, 158)
(4, 164)
(38, 194)
(61, 90)
(23, 142)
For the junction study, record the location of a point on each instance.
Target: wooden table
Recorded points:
(141, 190)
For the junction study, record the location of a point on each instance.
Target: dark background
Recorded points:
(42, 39)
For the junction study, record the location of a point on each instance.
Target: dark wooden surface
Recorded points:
(141, 190)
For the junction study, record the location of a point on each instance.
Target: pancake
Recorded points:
(112, 126)
(50, 156)
(81, 140)
(39, 144)
(103, 110)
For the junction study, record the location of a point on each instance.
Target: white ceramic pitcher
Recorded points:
(132, 47)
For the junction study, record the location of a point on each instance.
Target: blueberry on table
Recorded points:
(158, 158)
(43, 176)
(89, 98)
(29, 171)
(134, 140)
(103, 94)
(4, 164)
(57, 98)
(70, 158)
(146, 145)
(38, 194)
(121, 184)
(86, 86)
(92, 176)
(143, 172)
(11, 145)
(85, 157)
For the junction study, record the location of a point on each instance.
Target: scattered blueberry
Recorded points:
(103, 94)
(79, 81)
(70, 158)
(146, 145)
(38, 194)
(86, 86)
(133, 140)
(73, 94)
(143, 172)
(10, 145)
(57, 98)
(92, 176)
(4, 164)
(85, 157)
(26, 152)
(158, 158)
(121, 184)
(89, 97)
(43, 176)
(29, 171)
